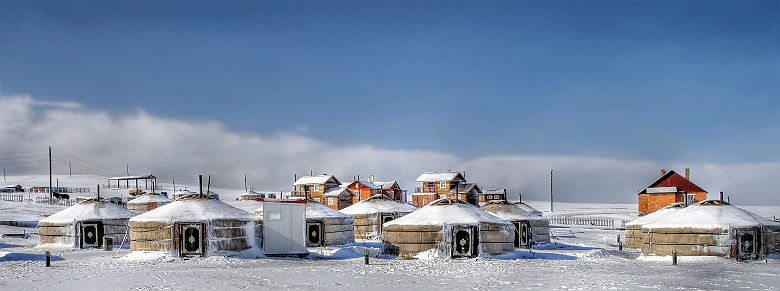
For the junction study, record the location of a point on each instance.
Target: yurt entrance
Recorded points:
(464, 241)
(191, 239)
(385, 218)
(522, 234)
(313, 234)
(747, 247)
(91, 233)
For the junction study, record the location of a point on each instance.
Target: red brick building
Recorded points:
(668, 189)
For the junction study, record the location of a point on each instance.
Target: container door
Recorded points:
(191, 239)
(314, 234)
(747, 248)
(463, 241)
(91, 233)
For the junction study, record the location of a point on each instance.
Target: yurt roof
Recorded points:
(528, 208)
(376, 204)
(316, 210)
(146, 198)
(89, 210)
(710, 214)
(194, 209)
(447, 211)
(509, 211)
(658, 214)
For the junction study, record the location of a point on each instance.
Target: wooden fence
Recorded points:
(593, 221)
(55, 201)
(13, 197)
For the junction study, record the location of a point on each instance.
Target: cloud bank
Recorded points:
(99, 142)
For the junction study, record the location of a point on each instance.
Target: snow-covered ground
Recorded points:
(579, 258)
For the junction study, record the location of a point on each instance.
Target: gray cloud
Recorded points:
(174, 148)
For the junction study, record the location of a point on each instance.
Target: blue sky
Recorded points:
(682, 81)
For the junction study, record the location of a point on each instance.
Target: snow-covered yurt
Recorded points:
(85, 224)
(712, 228)
(252, 207)
(634, 235)
(192, 226)
(146, 202)
(325, 226)
(530, 229)
(375, 211)
(448, 227)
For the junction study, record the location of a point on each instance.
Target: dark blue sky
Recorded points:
(674, 81)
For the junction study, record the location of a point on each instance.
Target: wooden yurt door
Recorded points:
(463, 239)
(91, 234)
(385, 218)
(747, 247)
(522, 234)
(191, 239)
(314, 234)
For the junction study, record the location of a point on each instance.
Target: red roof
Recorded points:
(672, 179)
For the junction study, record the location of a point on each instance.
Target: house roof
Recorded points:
(440, 176)
(318, 179)
(493, 191)
(467, 187)
(375, 184)
(336, 191)
(672, 179)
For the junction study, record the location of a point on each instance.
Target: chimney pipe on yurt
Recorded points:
(245, 188)
(200, 185)
(721, 196)
(208, 187)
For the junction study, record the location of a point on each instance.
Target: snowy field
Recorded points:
(579, 258)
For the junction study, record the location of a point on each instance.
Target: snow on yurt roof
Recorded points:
(710, 214)
(246, 205)
(316, 210)
(89, 210)
(194, 209)
(658, 214)
(376, 204)
(146, 198)
(509, 211)
(447, 211)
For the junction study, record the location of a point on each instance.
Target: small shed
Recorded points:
(712, 228)
(192, 226)
(530, 229)
(85, 224)
(373, 212)
(147, 202)
(634, 235)
(285, 224)
(325, 226)
(450, 227)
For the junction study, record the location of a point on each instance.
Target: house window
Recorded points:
(357, 194)
(317, 199)
(330, 201)
(442, 185)
(317, 187)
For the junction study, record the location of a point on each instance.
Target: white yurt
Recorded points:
(712, 228)
(85, 224)
(375, 211)
(325, 226)
(530, 229)
(146, 202)
(634, 235)
(193, 226)
(451, 228)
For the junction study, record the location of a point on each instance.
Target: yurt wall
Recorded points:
(326, 227)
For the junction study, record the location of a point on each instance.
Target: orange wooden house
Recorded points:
(670, 188)
(437, 185)
(365, 189)
(325, 189)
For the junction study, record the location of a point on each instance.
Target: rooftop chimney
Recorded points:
(721, 196)
(663, 172)
(687, 173)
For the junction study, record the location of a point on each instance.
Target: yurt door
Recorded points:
(314, 234)
(386, 217)
(523, 234)
(191, 239)
(746, 245)
(91, 234)
(463, 241)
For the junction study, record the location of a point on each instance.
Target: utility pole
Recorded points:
(246, 190)
(70, 171)
(51, 190)
(4, 176)
(551, 190)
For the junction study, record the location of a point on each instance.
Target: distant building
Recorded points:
(325, 189)
(445, 184)
(365, 189)
(490, 195)
(669, 188)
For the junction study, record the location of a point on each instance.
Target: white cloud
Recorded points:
(183, 148)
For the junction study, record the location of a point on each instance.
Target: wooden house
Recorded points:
(491, 195)
(338, 198)
(366, 189)
(447, 184)
(669, 188)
